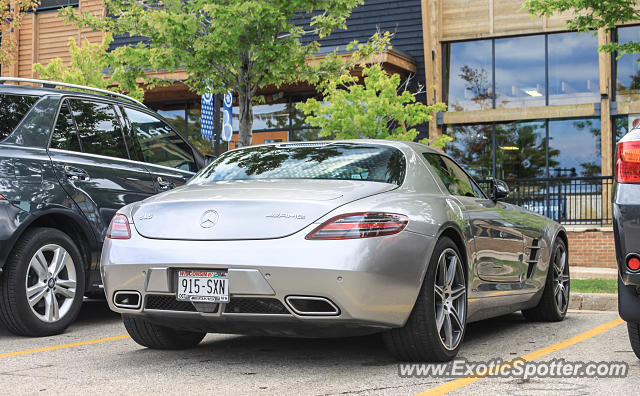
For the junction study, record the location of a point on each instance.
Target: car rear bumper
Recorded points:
(626, 221)
(373, 282)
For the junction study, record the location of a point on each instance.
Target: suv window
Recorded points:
(13, 108)
(99, 129)
(65, 135)
(160, 145)
(453, 177)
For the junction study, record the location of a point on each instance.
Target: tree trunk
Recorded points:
(246, 117)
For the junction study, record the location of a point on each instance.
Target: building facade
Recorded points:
(528, 101)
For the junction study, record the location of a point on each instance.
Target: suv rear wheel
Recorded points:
(42, 287)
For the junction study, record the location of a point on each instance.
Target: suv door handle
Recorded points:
(165, 185)
(76, 173)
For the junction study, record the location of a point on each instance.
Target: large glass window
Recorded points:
(520, 150)
(65, 135)
(520, 72)
(574, 148)
(628, 69)
(573, 69)
(470, 76)
(472, 148)
(518, 69)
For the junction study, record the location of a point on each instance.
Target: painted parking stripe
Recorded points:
(53, 348)
(462, 382)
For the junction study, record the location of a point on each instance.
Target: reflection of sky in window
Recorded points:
(520, 72)
(628, 64)
(573, 68)
(474, 55)
(275, 116)
(577, 146)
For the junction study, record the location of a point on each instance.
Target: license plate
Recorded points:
(203, 286)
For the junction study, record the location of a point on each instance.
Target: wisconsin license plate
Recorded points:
(203, 286)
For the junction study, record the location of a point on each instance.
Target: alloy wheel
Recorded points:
(561, 278)
(450, 294)
(51, 283)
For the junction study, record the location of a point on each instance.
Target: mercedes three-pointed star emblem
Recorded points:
(209, 219)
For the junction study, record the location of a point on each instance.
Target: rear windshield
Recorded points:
(339, 161)
(13, 108)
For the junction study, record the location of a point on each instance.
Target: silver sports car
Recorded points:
(332, 239)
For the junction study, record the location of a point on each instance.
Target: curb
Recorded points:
(594, 301)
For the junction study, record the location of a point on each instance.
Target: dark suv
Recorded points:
(68, 161)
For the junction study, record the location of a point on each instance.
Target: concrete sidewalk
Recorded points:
(593, 273)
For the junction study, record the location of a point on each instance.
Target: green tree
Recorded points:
(222, 45)
(11, 14)
(89, 66)
(377, 105)
(591, 15)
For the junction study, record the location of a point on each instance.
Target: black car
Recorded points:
(626, 228)
(68, 161)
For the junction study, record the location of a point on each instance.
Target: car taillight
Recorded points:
(119, 228)
(2, 198)
(628, 162)
(359, 225)
(633, 263)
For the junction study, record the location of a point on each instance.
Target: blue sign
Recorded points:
(227, 117)
(206, 117)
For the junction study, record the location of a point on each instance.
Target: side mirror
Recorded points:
(209, 158)
(499, 190)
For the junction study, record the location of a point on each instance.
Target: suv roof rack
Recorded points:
(53, 84)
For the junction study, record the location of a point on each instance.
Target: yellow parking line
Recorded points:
(462, 382)
(53, 348)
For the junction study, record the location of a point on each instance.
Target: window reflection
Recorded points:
(469, 76)
(628, 67)
(520, 72)
(573, 69)
(577, 144)
(520, 150)
(472, 148)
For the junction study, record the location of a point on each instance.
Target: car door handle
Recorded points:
(76, 173)
(165, 184)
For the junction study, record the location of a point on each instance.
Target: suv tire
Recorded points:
(43, 283)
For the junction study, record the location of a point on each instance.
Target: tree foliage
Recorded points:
(222, 45)
(377, 105)
(591, 15)
(89, 66)
(11, 14)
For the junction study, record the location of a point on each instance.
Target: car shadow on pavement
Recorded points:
(351, 352)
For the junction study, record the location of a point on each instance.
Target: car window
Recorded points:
(160, 145)
(13, 108)
(65, 135)
(452, 176)
(99, 129)
(337, 161)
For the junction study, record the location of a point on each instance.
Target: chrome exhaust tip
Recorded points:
(127, 299)
(312, 306)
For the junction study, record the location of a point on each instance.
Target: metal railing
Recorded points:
(570, 200)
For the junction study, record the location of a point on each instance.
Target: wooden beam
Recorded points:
(34, 41)
(527, 113)
(606, 90)
(431, 23)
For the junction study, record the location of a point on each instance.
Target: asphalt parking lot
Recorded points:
(96, 356)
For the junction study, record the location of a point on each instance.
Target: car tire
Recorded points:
(549, 309)
(38, 298)
(421, 338)
(154, 336)
(633, 329)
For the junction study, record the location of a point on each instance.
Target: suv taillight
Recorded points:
(119, 228)
(2, 198)
(628, 162)
(359, 225)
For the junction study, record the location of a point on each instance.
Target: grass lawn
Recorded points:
(594, 286)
